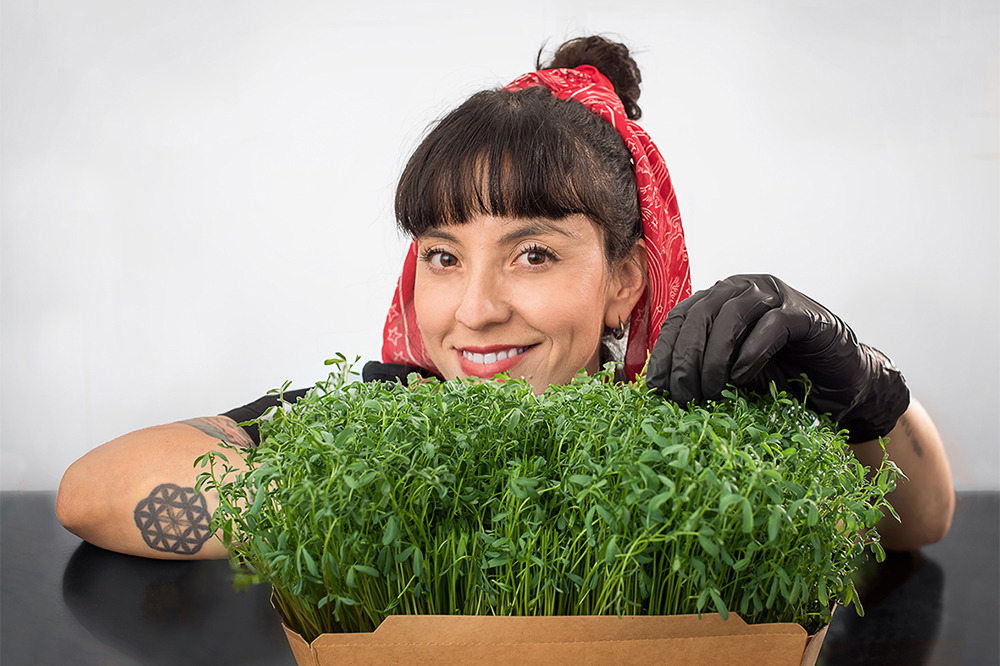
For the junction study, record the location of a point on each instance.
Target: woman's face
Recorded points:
(529, 297)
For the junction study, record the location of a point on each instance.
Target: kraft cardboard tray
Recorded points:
(468, 640)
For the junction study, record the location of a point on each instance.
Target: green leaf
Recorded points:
(605, 515)
(513, 420)
(651, 456)
(727, 500)
(658, 501)
(258, 500)
(747, 517)
(710, 547)
(611, 552)
(310, 563)
(773, 593)
(330, 568)
(527, 487)
(656, 437)
(852, 596)
(391, 530)
(719, 605)
(774, 523)
(699, 566)
(418, 563)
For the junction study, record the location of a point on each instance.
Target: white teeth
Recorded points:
(486, 359)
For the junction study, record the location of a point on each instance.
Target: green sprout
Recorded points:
(593, 498)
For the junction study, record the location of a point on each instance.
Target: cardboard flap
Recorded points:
(490, 629)
(813, 646)
(576, 641)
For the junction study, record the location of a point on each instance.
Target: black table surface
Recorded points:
(67, 602)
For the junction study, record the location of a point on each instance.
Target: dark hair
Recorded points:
(526, 153)
(610, 58)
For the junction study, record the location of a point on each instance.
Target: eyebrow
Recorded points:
(536, 228)
(529, 228)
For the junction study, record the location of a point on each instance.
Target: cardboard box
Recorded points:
(468, 640)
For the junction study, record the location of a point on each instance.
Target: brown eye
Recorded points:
(443, 260)
(534, 257)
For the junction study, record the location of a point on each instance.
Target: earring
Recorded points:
(619, 331)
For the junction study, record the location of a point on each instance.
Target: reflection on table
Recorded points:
(172, 612)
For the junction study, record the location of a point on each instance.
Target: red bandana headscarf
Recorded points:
(667, 266)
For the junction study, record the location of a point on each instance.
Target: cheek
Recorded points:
(575, 302)
(432, 306)
(571, 311)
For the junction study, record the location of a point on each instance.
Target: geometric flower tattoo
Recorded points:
(173, 519)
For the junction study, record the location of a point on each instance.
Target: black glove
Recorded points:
(750, 330)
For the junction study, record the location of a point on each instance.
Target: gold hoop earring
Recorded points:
(619, 331)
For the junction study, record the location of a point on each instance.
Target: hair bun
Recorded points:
(610, 58)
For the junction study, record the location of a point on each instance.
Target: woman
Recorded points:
(546, 231)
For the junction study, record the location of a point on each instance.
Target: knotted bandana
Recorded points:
(667, 264)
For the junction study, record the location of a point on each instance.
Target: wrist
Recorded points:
(883, 399)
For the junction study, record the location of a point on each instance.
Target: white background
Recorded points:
(197, 194)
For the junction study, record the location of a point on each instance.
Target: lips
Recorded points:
(488, 361)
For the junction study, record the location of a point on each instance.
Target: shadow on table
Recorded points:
(902, 599)
(172, 612)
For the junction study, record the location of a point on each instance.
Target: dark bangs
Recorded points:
(522, 154)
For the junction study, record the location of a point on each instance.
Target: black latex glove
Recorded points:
(750, 330)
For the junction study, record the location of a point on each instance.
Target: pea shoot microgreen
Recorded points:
(593, 498)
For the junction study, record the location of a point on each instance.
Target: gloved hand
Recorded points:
(749, 330)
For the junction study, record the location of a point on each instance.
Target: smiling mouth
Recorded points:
(487, 359)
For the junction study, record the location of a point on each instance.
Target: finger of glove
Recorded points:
(768, 337)
(689, 347)
(732, 326)
(660, 359)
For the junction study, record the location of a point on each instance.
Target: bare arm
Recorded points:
(925, 499)
(136, 495)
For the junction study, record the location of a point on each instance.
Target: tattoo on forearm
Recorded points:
(222, 427)
(908, 429)
(173, 519)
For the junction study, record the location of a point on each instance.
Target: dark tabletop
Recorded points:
(67, 602)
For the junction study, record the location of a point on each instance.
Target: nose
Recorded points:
(483, 302)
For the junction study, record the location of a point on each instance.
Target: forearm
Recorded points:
(925, 499)
(136, 495)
